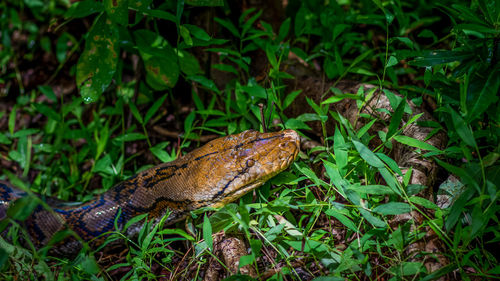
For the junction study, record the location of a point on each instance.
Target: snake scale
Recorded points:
(213, 175)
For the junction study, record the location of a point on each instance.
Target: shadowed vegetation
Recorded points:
(93, 92)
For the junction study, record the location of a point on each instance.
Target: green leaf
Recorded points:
(83, 9)
(146, 242)
(225, 52)
(159, 151)
(405, 40)
(188, 63)
(337, 98)
(229, 26)
(225, 67)
(255, 90)
(16, 156)
(189, 122)
(373, 220)
(396, 119)
(135, 112)
(415, 143)
(283, 178)
(151, 112)
(356, 200)
(247, 22)
(340, 150)
(457, 208)
(4, 257)
(320, 110)
(495, 270)
(391, 61)
(162, 72)
(205, 3)
(393, 208)
(281, 74)
(160, 59)
(423, 202)
(488, 95)
(197, 32)
(12, 120)
(130, 137)
(407, 269)
(178, 12)
(290, 98)
(89, 265)
(246, 260)
(463, 129)
(197, 101)
(390, 179)
(4, 139)
(427, 75)
(490, 10)
(202, 80)
(442, 271)
(271, 56)
(185, 35)
(207, 233)
(99, 59)
(174, 231)
(211, 112)
(296, 124)
(342, 218)
(25, 132)
(329, 278)
(414, 118)
(479, 28)
(310, 174)
(368, 155)
(361, 132)
(48, 92)
(164, 15)
(284, 29)
(117, 10)
(373, 189)
(434, 57)
(413, 189)
(357, 60)
(331, 68)
(104, 165)
(338, 29)
(47, 111)
(308, 245)
(134, 220)
(389, 162)
(22, 208)
(339, 63)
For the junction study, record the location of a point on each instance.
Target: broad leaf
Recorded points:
(97, 64)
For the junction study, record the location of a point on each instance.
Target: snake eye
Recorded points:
(250, 162)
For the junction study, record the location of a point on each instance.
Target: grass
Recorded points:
(330, 217)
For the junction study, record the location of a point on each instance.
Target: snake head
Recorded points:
(213, 175)
(231, 166)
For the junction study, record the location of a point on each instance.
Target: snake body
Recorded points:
(213, 175)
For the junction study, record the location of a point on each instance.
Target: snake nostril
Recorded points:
(250, 162)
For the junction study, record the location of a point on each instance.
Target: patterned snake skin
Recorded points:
(215, 174)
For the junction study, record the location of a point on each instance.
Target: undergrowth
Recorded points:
(151, 81)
